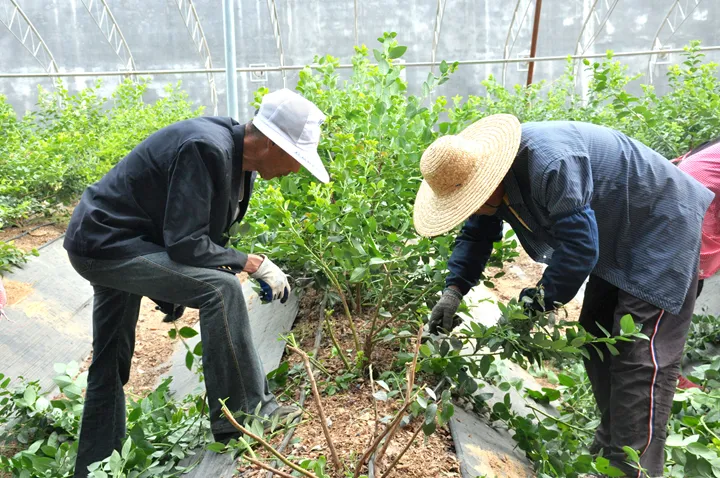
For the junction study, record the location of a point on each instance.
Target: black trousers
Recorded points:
(634, 390)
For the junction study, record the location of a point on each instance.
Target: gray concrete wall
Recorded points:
(472, 29)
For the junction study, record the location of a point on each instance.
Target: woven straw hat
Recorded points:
(461, 172)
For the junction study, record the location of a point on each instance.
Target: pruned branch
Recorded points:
(264, 466)
(377, 441)
(410, 385)
(375, 407)
(228, 414)
(318, 402)
(404, 450)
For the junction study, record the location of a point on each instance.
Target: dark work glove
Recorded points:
(172, 312)
(533, 300)
(443, 314)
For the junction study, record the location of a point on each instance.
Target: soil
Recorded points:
(153, 348)
(16, 291)
(513, 282)
(502, 466)
(38, 231)
(8, 450)
(351, 413)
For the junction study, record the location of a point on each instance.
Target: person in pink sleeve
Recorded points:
(703, 164)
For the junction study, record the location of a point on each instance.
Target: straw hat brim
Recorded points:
(497, 138)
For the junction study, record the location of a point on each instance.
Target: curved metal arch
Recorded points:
(278, 39)
(675, 17)
(105, 21)
(512, 34)
(599, 23)
(192, 22)
(439, 13)
(13, 17)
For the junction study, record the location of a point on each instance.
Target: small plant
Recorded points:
(11, 257)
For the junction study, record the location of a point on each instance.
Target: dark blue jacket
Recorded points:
(586, 199)
(177, 191)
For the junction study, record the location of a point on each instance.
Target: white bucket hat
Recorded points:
(293, 123)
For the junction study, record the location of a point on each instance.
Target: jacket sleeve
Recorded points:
(567, 192)
(473, 247)
(188, 209)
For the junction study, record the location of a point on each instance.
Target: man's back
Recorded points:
(125, 213)
(648, 212)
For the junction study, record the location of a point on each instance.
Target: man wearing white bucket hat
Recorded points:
(156, 225)
(588, 201)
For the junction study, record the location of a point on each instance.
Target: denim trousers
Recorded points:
(232, 367)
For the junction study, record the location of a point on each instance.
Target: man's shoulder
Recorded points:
(202, 128)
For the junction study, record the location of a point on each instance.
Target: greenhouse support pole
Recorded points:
(533, 44)
(230, 66)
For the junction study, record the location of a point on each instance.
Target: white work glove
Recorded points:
(273, 281)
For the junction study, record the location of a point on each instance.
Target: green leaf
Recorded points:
(49, 450)
(198, 350)
(30, 395)
(702, 451)
(429, 428)
(381, 395)
(443, 67)
(627, 324)
(612, 349)
(604, 330)
(565, 380)
(430, 413)
(216, 447)
(115, 463)
(134, 415)
(188, 332)
(126, 448)
(35, 446)
(456, 343)
(632, 454)
(397, 52)
(603, 466)
(72, 368)
(425, 350)
(59, 367)
(72, 391)
(172, 333)
(189, 360)
(358, 274)
(384, 66)
(42, 404)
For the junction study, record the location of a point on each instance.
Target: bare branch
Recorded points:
(377, 441)
(404, 450)
(321, 410)
(228, 414)
(410, 384)
(273, 471)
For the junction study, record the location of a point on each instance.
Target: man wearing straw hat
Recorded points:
(587, 201)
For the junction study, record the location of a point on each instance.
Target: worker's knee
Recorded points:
(227, 288)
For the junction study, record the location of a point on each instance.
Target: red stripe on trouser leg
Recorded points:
(651, 419)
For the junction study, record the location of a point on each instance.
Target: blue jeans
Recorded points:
(232, 367)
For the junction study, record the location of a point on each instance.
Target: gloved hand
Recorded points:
(533, 300)
(272, 280)
(443, 314)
